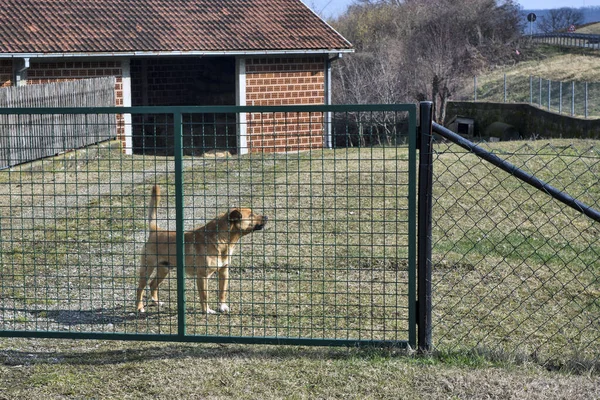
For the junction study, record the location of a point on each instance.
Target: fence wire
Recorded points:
(333, 262)
(516, 272)
(573, 98)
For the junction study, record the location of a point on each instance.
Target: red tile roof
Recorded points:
(123, 26)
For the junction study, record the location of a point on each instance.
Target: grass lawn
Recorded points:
(515, 295)
(516, 271)
(52, 369)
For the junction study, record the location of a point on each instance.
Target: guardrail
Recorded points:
(569, 39)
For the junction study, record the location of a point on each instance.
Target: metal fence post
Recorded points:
(573, 98)
(424, 225)
(560, 97)
(179, 222)
(475, 88)
(505, 88)
(540, 97)
(530, 89)
(585, 101)
(549, 93)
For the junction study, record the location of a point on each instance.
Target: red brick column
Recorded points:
(285, 81)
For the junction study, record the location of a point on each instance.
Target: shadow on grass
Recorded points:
(132, 352)
(91, 352)
(25, 351)
(97, 316)
(21, 351)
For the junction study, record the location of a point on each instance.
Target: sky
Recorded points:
(332, 8)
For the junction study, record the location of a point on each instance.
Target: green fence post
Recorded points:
(412, 226)
(425, 225)
(178, 152)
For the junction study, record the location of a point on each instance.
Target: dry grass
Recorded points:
(45, 369)
(552, 63)
(593, 29)
(332, 262)
(567, 67)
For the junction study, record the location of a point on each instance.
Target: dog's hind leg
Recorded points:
(202, 282)
(161, 274)
(144, 274)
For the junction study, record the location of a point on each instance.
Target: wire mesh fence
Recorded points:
(516, 272)
(573, 98)
(334, 262)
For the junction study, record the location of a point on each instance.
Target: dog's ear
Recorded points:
(235, 215)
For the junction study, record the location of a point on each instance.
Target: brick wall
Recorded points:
(269, 81)
(285, 81)
(6, 73)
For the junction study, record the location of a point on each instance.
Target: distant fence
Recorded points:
(568, 39)
(29, 137)
(577, 99)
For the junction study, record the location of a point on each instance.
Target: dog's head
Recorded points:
(245, 221)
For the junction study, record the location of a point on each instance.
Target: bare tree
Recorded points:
(441, 58)
(420, 49)
(560, 19)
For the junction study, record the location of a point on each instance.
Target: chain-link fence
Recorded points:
(516, 273)
(573, 98)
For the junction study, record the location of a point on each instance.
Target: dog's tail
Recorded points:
(152, 208)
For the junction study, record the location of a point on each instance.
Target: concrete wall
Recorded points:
(529, 120)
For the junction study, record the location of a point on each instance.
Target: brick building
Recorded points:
(181, 52)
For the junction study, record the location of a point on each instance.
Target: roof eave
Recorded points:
(176, 53)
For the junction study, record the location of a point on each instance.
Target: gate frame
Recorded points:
(415, 310)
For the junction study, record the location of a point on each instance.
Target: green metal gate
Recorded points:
(335, 264)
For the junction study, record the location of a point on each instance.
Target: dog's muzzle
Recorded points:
(259, 227)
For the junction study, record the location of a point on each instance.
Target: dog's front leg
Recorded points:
(203, 292)
(223, 287)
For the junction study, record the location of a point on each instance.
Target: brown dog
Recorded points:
(207, 249)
